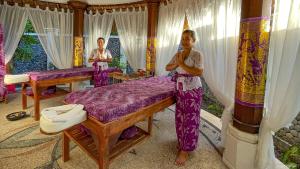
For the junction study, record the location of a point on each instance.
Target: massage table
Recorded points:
(7, 80)
(112, 109)
(41, 80)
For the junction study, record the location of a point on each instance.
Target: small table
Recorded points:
(119, 77)
(41, 80)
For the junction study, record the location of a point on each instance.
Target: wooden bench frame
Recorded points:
(38, 85)
(103, 132)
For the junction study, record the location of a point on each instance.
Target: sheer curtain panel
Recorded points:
(170, 27)
(282, 99)
(217, 27)
(13, 19)
(55, 32)
(95, 26)
(132, 29)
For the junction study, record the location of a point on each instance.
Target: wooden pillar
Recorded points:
(7, 68)
(252, 65)
(153, 9)
(79, 8)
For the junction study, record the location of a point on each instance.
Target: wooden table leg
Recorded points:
(5, 99)
(24, 96)
(66, 148)
(103, 152)
(36, 96)
(150, 122)
(70, 87)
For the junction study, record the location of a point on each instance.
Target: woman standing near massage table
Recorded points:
(101, 55)
(189, 66)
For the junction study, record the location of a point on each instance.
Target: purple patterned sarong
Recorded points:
(187, 116)
(101, 76)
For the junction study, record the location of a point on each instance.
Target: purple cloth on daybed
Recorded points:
(111, 102)
(129, 133)
(50, 90)
(61, 73)
(3, 89)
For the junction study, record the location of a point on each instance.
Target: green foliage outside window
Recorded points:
(291, 158)
(25, 52)
(29, 28)
(216, 109)
(116, 63)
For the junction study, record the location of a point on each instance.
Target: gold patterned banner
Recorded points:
(151, 53)
(78, 51)
(252, 61)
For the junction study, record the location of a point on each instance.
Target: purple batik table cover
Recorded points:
(61, 73)
(65, 73)
(111, 102)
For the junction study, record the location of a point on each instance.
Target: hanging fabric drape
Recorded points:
(13, 19)
(3, 90)
(170, 27)
(282, 98)
(96, 26)
(132, 29)
(55, 32)
(217, 27)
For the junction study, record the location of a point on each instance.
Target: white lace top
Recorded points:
(194, 59)
(105, 55)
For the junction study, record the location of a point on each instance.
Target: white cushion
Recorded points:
(13, 79)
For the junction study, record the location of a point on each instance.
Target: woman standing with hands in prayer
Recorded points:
(101, 55)
(188, 65)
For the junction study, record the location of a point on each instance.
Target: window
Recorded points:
(30, 55)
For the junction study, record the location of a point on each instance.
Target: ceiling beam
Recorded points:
(109, 8)
(42, 4)
(94, 8)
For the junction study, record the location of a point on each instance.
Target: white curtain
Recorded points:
(55, 32)
(217, 27)
(132, 29)
(96, 26)
(13, 19)
(170, 27)
(282, 99)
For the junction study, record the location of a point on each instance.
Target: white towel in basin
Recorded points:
(56, 119)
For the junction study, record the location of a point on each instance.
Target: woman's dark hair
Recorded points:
(100, 39)
(191, 32)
